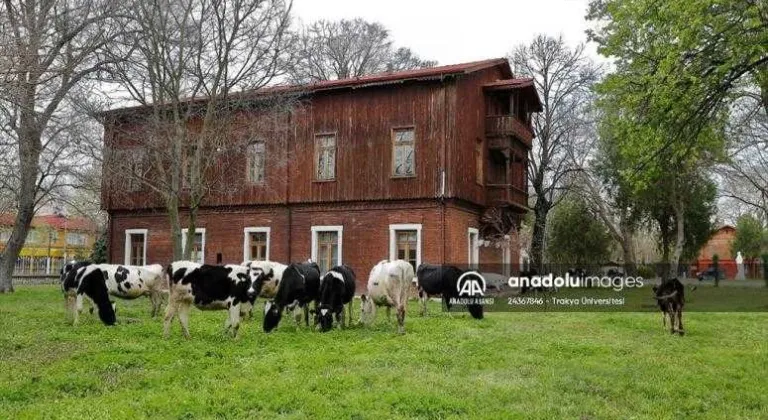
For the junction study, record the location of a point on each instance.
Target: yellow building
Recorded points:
(51, 240)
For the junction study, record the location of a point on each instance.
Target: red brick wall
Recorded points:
(365, 235)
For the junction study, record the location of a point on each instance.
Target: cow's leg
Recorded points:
(447, 306)
(423, 300)
(680, 320)
(401, 318)
(664, 319)
(170, 313)
(671, 313)
(76, 312)
(184, 318)
(156, 298)
(234, 319)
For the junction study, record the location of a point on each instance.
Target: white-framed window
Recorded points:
(33, 236)
(256, 162)
(256, 243)
(405, 243)
(403, 150)
(473, 247)
(325, 157)
(198, 248)
(77, 239)
(136, 246)
(326, 246)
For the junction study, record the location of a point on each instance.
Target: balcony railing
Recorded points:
(505, 194)
(508, 125)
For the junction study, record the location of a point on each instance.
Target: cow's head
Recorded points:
(258, 277)
(272, 314)
(367, 309)
(325, 317)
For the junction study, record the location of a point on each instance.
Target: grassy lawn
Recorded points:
(509, 365)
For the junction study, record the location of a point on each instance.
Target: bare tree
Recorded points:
(564, 78)
(48, 47)
(187, 62)
(745, 179)
(329, 50)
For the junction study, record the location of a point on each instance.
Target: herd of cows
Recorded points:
(290, 289)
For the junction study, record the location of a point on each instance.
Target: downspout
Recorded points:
(288, 191)
(442, 179)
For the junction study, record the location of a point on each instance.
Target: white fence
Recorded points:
(37, 265)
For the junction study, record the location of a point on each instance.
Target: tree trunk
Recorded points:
(173, 218)
(674, 261)
(30, 147)
(627, 230)
(541, 209)
(191, 229)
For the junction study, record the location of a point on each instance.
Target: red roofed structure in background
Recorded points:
(51, 240)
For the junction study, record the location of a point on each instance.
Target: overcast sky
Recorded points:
(449, 33)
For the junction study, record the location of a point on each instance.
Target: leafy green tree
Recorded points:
(99, 252)
(576, 237)
(649, 102)
(749, 237)
(686, 60)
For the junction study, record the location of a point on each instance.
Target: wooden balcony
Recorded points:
(508, 125)
(506, 195)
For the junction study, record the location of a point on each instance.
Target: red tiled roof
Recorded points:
(57, 222)
(430, 73)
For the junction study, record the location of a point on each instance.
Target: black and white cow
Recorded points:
(442, 280)
(670, 296)
(299, 286)
(99, 281)
(266, 276)
(337, 288)
(388, 285)
(207, 287)
(73, 301)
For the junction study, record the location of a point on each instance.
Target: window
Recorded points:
(256, 243)
(5, 235)
(77, 239)
(405, 243)
(473, 245)
(326, 246)
(33, 236)
(256, 162)
(136, 172)
(325, 157)
(479, 161)
(403, 164)
(136, 246)
(198, 247)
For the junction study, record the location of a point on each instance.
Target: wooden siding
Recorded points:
(448, 116)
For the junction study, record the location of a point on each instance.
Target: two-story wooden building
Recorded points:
(426, 165)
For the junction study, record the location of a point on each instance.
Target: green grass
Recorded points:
(509, 365)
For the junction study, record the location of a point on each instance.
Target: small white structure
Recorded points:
(739, 266)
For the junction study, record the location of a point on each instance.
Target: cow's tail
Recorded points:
(167, 274)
